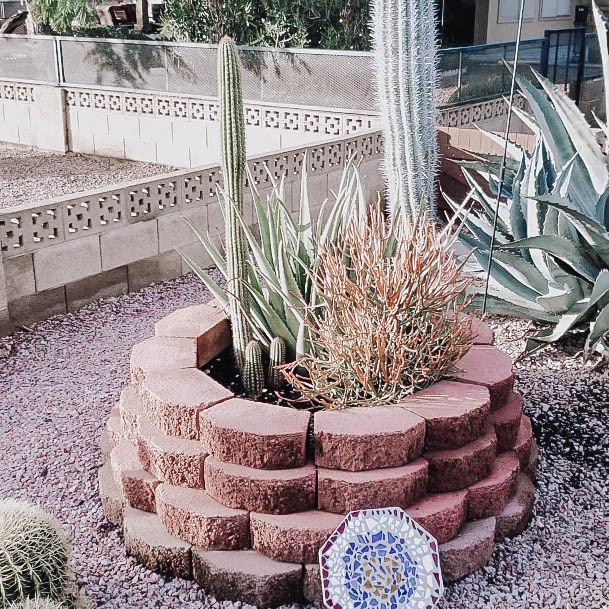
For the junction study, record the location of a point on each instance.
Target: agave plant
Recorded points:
(551, 262)
(281, 260)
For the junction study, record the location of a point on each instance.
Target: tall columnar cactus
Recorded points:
(276, 358)
(405, 53)
(253, 373)
(34, 554)
(232, 126)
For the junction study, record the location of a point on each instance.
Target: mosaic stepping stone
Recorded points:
(380, 559)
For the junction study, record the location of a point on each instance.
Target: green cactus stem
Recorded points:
(34, 554)
(405, 53)
(276, 358)
(232, 128)
(253, 373)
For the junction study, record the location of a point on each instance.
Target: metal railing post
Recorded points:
(58, 58)
(460, 76)
(503, 68)
(581, 68)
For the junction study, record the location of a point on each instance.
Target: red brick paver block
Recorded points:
(248, 577)
(470, 551)
(489, 496)
(533, 463)
(357, 439)
(161, 353)
(483, 333)
(506, 421)
(488, 366)
(104, 447)
(208, 326)
(341, 491)
(192, 515)
(173, 400)
(254, 434)
(455, 413)
(524, 442)
(130, 410)
(173, 460)
(150, 544)
(278, 491)
(442, 515)
(311, 589)
(517, 513)
(112, 500)
(137, 485)
(114, 429)
(458, 468)
(292, 537)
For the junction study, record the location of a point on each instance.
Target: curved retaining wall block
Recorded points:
(254, 434)
(225, 489)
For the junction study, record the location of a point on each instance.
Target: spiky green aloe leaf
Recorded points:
(564, 250)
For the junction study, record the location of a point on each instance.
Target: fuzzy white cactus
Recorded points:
(405, 51)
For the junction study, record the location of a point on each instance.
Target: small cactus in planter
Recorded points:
(276, 359)
(34, 554)
(232, 127)
(253, 372)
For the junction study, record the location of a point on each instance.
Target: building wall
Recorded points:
(532, 28)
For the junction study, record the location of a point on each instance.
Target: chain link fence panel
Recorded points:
(28, 59)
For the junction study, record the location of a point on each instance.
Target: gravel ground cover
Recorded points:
(33, 176)
(59, 381)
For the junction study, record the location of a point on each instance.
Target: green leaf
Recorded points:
(562, 249)
(591, 230)
(210, 247)
(581, 135)
(599, 328)
(218, 293)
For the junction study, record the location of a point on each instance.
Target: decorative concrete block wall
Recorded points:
(593, 98)
(184, 131)
(72, 250)
(174, 130)
(32, 115)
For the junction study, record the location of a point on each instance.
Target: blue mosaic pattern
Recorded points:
(380, 559)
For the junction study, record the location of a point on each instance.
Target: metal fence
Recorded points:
(289, 76)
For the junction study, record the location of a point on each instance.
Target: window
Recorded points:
(552, 9)
(508, 10)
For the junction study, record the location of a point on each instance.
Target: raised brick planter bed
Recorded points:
(221, 489)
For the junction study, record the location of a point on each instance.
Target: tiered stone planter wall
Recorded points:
(224, 490)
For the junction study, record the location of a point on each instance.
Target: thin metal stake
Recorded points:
(505, 151)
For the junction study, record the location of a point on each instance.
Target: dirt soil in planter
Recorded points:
(59, 382)
(223, 370)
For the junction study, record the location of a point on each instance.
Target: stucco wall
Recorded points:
(532, 28)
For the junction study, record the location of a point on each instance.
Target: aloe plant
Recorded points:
(404, 37)
(551, 263)
(282, 258)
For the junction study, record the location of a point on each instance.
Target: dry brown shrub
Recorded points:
(392, 317)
